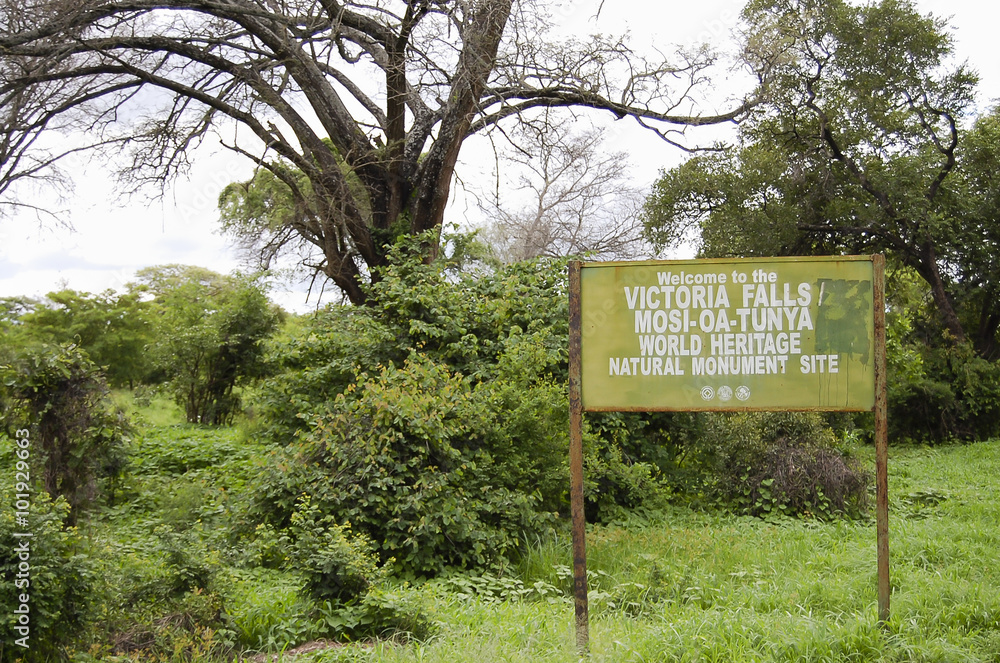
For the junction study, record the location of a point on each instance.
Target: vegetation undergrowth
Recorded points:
(398, 487)
(687, 586)
(167, 584)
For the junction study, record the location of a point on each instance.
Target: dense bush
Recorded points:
(944, 393)
(939, 390)
(400, 458)
(770, 463)
(60, 396)
(336, 562)
(56, 573)
(434, 421)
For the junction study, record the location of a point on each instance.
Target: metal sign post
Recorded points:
(576, 463)
(881, 443)
(782, 334)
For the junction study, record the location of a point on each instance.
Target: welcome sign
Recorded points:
(748, 334)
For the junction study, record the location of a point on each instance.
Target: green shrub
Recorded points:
(771, 463)
(77, 433)
(338, 564)
(399, 457)
(943, 393)
(615, 485)
(938, 390)
(434, 421)
(55, 571)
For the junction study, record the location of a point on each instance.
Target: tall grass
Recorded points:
(677, 586)
(696, 587)
(149, 407)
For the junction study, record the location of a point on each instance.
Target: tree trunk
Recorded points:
(483, 30)
(928, 268)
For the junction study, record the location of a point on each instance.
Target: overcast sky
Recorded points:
(113, 238)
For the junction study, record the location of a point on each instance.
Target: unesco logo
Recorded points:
(726, 393)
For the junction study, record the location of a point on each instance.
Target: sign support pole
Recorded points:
(576, 462)
(881, 442)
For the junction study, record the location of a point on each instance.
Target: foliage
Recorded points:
(507, 328)
(976, 250)
(167, 561)
(690, 586)
(210, 334)
(945, 392)
(855, 148)
(60, 396)
(337, 563)
(771, 464)
(270, 613)
(938, 390)
(114, 329)
(55, 568)
(400, 458)
(434, 420)
(190, 628)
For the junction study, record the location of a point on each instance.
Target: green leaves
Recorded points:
(401, 457)
(210, 334)
(434, 419)
(337, 563)
(61, 397)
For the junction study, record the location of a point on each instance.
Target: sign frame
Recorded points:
(578, 406)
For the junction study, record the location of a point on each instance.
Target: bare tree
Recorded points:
(572, 196)
(358, 110)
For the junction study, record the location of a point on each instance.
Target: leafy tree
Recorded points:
(113, 328)
(65, 584)
(857, 146)
(11, 311)
(12, 308)
(211, 331)
(60, 395)
(974, 256)
(357, 110)
(435, 419)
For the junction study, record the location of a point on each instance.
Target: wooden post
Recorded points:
(881, 443)
(576, 463)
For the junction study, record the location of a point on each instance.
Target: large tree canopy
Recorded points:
(357, 109)
(860, 145)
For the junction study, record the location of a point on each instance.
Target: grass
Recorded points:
(153, 409)
(696, 587)
(677, 586)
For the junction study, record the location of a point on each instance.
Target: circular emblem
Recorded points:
(707, 393)
(725, 393)
(743, 392)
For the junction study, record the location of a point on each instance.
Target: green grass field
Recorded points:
(694, 587)
(673, 586)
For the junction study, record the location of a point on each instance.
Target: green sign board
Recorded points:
(748, 334)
